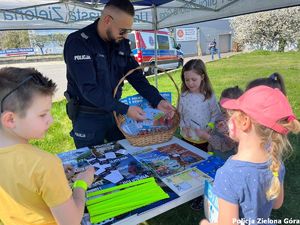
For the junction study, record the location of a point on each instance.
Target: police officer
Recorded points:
(97, 57)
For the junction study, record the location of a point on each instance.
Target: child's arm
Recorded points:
(279, 200)
(228, 214)
(221, 142)
(71, 211)
(215, 111)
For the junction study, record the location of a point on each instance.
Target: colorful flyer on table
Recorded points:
(186, 180)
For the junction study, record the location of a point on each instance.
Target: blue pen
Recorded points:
(195, 122)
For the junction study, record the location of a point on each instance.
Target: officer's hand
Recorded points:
(167, 108)
(136, 113)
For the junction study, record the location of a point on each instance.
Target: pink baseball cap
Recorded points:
(265, 105)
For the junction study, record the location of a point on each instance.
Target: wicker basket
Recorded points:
(150, 138)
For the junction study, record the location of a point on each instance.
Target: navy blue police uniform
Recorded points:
(94, 68)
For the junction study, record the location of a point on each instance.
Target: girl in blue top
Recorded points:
(250, 184)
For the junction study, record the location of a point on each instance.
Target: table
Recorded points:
(194, 193)
(185, 196)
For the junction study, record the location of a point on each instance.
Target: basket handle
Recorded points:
(141, 68)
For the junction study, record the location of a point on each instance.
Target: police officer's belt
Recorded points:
(92, 110)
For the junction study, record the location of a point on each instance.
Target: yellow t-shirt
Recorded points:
(31, 182)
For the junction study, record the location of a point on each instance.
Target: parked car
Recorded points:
(169, 55)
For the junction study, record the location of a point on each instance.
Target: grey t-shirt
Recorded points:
(245, 184)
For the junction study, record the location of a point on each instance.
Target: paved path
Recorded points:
(207, 58)
(56, 70)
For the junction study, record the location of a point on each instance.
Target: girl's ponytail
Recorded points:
(277, 81)
(278, 147)
(279, 144)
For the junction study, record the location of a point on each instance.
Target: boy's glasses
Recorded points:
(122, 31)
(36, 79)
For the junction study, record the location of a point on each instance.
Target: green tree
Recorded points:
(266, 30)
(40, 40)
(60, 38)
(14, 39)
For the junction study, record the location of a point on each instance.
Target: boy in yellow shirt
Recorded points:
(33, 186)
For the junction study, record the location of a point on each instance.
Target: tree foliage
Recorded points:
(14, 39)
(23, 39)
(60, 38)
(40, 40)
(265, 30)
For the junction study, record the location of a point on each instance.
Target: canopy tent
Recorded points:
(150, 14)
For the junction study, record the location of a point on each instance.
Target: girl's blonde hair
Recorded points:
(278, 146)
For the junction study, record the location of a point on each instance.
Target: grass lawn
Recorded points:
(236, 70)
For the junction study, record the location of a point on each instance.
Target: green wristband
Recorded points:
(211, 125)
(80, 184)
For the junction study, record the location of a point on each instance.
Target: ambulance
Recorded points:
(169, 55)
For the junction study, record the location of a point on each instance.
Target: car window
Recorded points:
(163, 42)
(173, 43)
(131, 39)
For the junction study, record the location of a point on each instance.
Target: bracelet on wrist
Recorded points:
(80, 184)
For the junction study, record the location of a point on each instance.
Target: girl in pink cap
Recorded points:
(250, 184)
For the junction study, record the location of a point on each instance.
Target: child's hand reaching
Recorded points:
(203, 134)
(187, 131)
(69, 171)
(222, 127)
(87, 175)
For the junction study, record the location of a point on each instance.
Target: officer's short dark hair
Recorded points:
(123, 5)
(18, 87)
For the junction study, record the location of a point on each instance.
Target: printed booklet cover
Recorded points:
(138, 100)
(187, 180)
(210, 165)
(211, 206)
(113, 166)
(167, 160)
(155, 119)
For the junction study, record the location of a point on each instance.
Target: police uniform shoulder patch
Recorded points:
(83, 35)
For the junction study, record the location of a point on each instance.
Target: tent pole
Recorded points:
(154, 14)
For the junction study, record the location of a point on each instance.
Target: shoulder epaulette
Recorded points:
(83, 35)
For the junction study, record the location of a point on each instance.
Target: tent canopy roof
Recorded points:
(150, 14)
